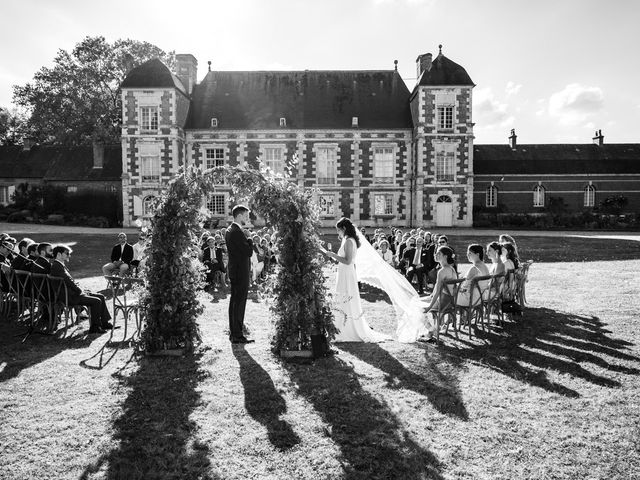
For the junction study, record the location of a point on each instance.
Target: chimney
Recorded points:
(512, 139)
(599, 138)
(98, 154)
(423, 63)
(187, 67)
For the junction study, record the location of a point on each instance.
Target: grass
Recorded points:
(553, 395)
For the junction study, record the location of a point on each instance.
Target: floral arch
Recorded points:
(297, 292)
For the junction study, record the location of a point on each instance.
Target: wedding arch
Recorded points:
(296, 291)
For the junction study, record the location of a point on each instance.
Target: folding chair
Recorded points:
(475, 309)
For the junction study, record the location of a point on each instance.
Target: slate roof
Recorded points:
(543, 159)
(444, 72)
(58, 163)
(152, 74)
(306, 99)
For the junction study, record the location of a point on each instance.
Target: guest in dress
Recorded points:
(475, 254)
(494, 252)
(385, 253)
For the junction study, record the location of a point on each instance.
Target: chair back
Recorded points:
(478, 288)
(448, 295)
(23, 283)
(40, 287)
(58, 291)
(509, 285)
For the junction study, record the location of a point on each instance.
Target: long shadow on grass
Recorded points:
(544, 339)
(154, 433)
(370, 437)
(263, 402)
(437, 384)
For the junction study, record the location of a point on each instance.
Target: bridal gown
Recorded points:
(349, 318)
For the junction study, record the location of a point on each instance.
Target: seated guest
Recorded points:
(416, 259)
(504, 238)
(409, 243)
(139, 253)
(45, 255)
(100, 315)
(32, 252)
(444, 257)
(257, 259)
(386, 253)
(510, 257)
(212, 259)
(494, 252)
(443, 241)
(121, 256)
(21, 260)
(7, 246)
(475, 254)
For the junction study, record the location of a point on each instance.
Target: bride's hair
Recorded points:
(447, 252)
(349, 229)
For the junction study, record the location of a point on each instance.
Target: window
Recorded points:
(4, 195)
(445, 163)
(214, 157)
(383, 164)
(445, 118)
(283, 122)
(149, 119)
(326, 165)
(492, 196)
(274, 159)
(110, 188)
(216, 204)
(327, 205)
(354, 121)
(149, 162)
(589, 196)
(148, 206)
(72, 188)
(538, 196)
(214, 122)
(383, 204)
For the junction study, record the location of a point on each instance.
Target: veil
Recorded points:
(373, 270)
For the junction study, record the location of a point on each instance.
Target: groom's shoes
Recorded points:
(242, 340)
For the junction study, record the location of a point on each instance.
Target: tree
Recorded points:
(77, 101)
(13, 127)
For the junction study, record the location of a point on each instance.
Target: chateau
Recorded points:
(379, 152)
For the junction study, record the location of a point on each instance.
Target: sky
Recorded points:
(554, 70)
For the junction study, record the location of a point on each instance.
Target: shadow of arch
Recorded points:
(545, 339)
(439, 386)
(371, 440)
(154, 432)
(262, 400)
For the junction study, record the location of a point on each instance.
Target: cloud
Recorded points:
(512, 88)
(410, 2)
(576, 104)
(489, 111)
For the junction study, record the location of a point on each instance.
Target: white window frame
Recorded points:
(219, 213)
(383, 166)
(4, 195)
(492, 196)
(445, 162)
(150, 162)
(215, 161)
(283, 122)
(277, 166)
(445, 111)
(589, 196)
(72, 189)
(328, 198)
(149, 123)
(214, 122)
(388, 205)
(538, 196)
(323, 176)
(146, 204)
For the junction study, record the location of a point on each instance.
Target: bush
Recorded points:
(18, 217)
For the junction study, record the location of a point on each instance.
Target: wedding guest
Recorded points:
(7, 246)
(416, 260)
(443, 241)
(386, 253)
(20, 260)
(32, 252)
(121, 256)
(494, 252)
(212, 259)
(505, 238)
(45, 255)
(139, 252)
(444, 257)
(510, 256)
(475, 254)
(100, 315)
(257, 258)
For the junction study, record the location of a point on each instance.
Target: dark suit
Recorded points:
(417, 268)
(45, 264)
(99, 313)
(125, 255)
(212, 267)
(240, 249)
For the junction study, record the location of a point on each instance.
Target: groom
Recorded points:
(240, 249)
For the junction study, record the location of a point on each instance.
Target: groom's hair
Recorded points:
(239, 210)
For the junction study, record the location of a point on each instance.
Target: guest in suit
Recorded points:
(121, 257)
(7, 245)
(212, 259)
(21, 260)
(100, 315)
(240, 249)
(417, 259)
(45, 255)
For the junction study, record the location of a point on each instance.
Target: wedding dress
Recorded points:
(371, 269)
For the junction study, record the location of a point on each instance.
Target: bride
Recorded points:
(358, 261)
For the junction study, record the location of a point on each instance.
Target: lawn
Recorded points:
(552, 395)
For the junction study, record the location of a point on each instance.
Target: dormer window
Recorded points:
(283, 122)
(149, 119)
(354, 121)
(214, 123)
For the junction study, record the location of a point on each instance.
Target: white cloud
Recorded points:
(512, 88)
(576, 104)
(489, 111)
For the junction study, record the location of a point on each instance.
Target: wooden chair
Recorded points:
(41, 294)
(475, 309)
(492, 301)
(446, 309)
(124, 301)
(22, 286)
(522, 277)
(60, 302)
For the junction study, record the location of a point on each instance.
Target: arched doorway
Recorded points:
(444, 211)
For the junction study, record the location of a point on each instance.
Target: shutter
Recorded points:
(11, 192)
(137, 206)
